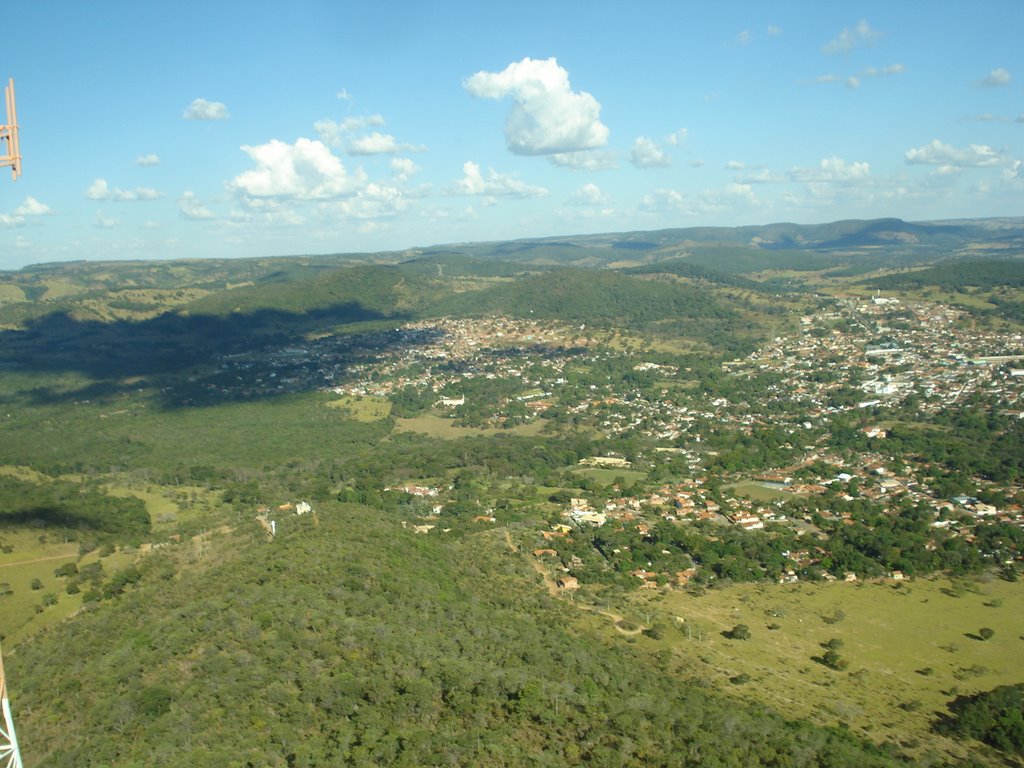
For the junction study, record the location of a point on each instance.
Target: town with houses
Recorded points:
(874, 362)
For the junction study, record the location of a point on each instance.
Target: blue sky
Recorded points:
(186, 129)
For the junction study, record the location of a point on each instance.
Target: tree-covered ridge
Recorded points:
(590, 296)
(352, 641)
(688, 268)
(957, 275)
(374, 289)
(443, 263)
(743, 260)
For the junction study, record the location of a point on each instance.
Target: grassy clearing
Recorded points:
(170, 507)
(362, 408)
(23, 473)
(57, 288)
(623, 342)
(11, 293)
(758, 491)
(446, 429)
(24, 613)
(31, 560)
(910, 649)
(609, 476)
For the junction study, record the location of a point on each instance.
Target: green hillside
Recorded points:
(353, 641)
(957, 275)
(589, 296)
(372, 289)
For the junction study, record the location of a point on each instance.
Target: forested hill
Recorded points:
(589, 296)
(350, 640)
(383, 290)
(983, 274)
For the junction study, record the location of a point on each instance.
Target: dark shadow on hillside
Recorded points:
(198, 360)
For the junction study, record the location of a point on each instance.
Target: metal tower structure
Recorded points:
(9, 133)
(10, 757)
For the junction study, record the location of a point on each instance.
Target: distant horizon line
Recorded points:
(538, 238)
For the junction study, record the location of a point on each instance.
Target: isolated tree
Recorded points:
(739, 632)
(833, 660)
(986, 633)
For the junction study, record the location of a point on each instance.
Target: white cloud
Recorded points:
(9, 221)
(849, 39)
(743, 38)
(494, 184)
(774, 30)
(760, 176)
(729, 199)
(147, 161)
(379, 144)
(937, 153)
(103, 222)
(735, 165)
(331, 132)
(998, 76)
(892, 69)
(374, 201)
(988, 117)
(589, 194)
(855, 81)
(662, 201)
(548, 117)
(1014, 171)
(344, 95)
(590, 160)
(100, 190)
(190, 207)
(32, 207)
(201, 109)
(677, 138)
(832, 169)
(647, 154)
(305, 170)
(403, 168)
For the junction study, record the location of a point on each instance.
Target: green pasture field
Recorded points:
(19, 614)
(757, 491)
(364, 408)
(169, 506)
(10, 293)
(621, 342)
(35, 554)
(445, 429)
(57, 288)
(911, 647)
(609, 476)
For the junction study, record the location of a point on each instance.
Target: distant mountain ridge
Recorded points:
(890, 235)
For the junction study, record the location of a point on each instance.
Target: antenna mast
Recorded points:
(10, 757)
(9, 133)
